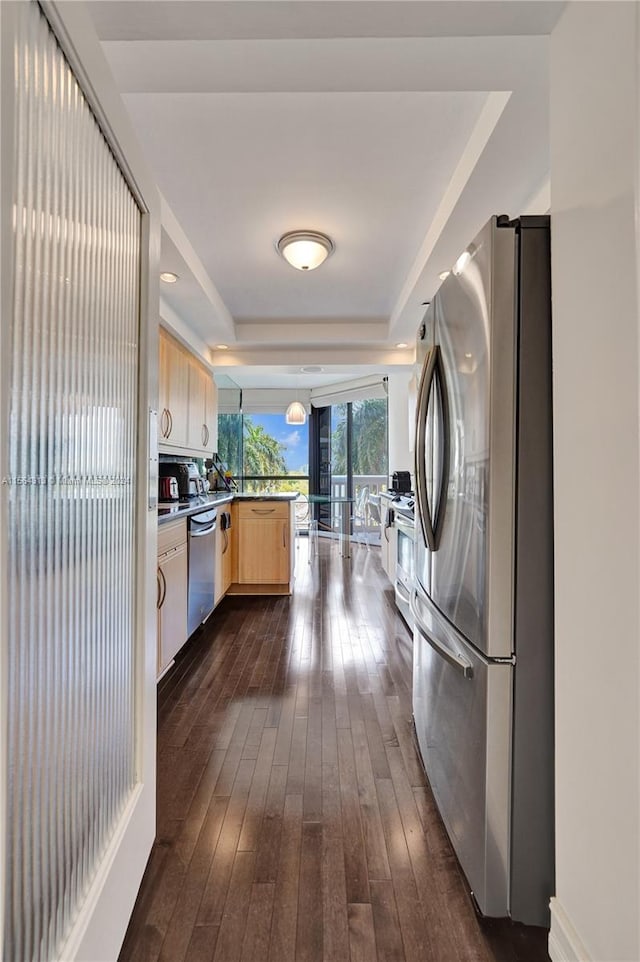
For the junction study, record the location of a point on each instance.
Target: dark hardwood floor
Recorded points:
(294, 819)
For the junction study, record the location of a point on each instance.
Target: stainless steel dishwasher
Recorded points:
(202, 567)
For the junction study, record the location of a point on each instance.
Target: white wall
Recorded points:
(400, 455)
(595, 317)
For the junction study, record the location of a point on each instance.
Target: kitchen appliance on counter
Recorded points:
(400, 482)
(201, 529)
(190, 482)
(219, 476)
(483, 596)
(168, 489)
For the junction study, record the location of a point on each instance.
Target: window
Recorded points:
(264, 453)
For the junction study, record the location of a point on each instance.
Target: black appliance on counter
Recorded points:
(401, 482)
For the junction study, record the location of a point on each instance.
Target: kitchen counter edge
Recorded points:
(214, 500)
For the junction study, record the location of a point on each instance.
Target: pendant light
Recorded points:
(296, 413)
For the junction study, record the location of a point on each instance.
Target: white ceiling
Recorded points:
(396, 127)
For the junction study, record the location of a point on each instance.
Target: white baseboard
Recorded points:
(565, 945)
(99, 929)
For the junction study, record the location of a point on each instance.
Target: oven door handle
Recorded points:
(408, 530)
(403, 593)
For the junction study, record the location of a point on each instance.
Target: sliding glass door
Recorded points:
(349, 447)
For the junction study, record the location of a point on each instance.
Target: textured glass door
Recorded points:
(69, 498)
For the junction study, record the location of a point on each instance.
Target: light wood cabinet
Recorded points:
(263, 547)
(172, 591)
(173, 393)
(211, 413)
(196, 428)
(224, 552)
(188, 401)
(263, 552)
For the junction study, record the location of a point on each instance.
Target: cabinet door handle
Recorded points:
(263, 510)
(164, 423)
(208, 436)
(170, 418)
(162, 584)
(284, 536)
(203, 435)
(226, 541)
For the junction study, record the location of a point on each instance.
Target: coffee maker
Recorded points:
(401, 482)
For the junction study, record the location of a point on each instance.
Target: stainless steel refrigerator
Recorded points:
(483, 597)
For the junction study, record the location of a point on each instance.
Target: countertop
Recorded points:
(182, 509)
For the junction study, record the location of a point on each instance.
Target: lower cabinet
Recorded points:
(255, 555)
(264, 547)
(389, 554)
(172, 591)
(224, 554)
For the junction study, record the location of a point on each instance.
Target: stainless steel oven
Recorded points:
(405, 528)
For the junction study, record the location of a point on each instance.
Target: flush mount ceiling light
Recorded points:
(168, 277)
(222, 347)
(402, 344)
(296, 413)
(312, 369)
(305, 249)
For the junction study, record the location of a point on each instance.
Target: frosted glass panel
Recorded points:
(71, 499)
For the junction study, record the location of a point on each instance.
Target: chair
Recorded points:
(301, 510)
(367, 513)
(373, 508)
(361, 512)
(316, 525)
(301, 515)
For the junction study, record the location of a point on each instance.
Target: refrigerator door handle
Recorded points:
(457, 661)
(441, 386)
(424, 394)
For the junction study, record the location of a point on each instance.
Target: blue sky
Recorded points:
(295, 437)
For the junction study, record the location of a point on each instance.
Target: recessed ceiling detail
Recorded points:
(397, 128)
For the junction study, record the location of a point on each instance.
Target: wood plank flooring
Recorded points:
(295, 823)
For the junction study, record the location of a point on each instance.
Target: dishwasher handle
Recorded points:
(203, 531)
